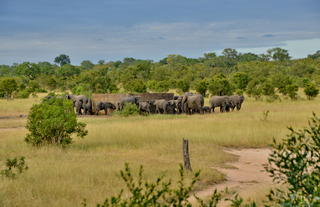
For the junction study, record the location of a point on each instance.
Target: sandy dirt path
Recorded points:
(245, 176)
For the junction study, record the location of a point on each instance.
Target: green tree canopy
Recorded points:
(219, 85)
(278, 54)
(62, 59)
(7, 87)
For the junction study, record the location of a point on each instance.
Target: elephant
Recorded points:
(88, 107)
(144, 107)
(236, 101)
(152, 106)
(100, 105)
(206, 109)
(125, 100)
(223, 102)
(79, 102)
(164, 106)
(179, 106)
(171, 107)
(193, 103)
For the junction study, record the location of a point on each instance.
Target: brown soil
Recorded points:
(245, 176)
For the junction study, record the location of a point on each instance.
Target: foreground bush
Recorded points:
(162, 193)
(295, 162)
(311, 90)
(53, 122)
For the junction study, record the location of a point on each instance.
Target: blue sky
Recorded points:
(39, 30)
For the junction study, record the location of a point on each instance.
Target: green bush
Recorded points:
(219, 85)
(292, 90)
(158, 86)
(14, 167)
(23, 94)
(53, 122)
(129, 109)
(295, 162)
(183, 85)
(8, 86)
(163, 193)
(311, 90)
(135, 86)
(201, 87)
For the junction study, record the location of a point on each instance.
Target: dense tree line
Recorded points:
(265, 75)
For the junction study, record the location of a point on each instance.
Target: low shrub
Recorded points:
(23, 94)
(14, 167)
(129, 109)
(53, 122)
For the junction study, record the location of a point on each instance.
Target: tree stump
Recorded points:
(186, 157)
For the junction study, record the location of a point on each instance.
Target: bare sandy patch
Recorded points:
(245, 176)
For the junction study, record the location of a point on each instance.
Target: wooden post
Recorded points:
(186, 158)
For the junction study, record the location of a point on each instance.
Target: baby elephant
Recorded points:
(206, 109)
(100, 105)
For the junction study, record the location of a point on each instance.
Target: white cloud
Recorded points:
(156, 40)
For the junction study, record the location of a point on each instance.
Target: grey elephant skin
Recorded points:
(179, 105)
(164, 106)
(206, 109)
(126, 100)
(193, 103)
(100, 105)
(223, 102)
(236, 101)
(80, 102)
(144, 107)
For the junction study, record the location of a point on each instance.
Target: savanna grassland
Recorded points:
(89, 168)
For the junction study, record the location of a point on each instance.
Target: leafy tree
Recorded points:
(86, 64)
(67, 71)
(30, 70)
(267, 88)
(135, 86)
(47, 68)
(201, 87)
(183, 85)
(240, 80)
(281, 82)
(311, 90)
(292, 90)
(254, 88)
(209, 55)
(247, 57)
(97, 80)
(62, 60)
(8, 86)
(278, 54)
(101, 62)
(219, 85)
(158, 86)
(53, 122)
(230, 53)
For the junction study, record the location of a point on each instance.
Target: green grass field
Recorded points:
(90, 167)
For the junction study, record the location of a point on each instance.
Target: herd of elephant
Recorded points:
(188, 103)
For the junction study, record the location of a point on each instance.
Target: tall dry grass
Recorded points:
(89, 168)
